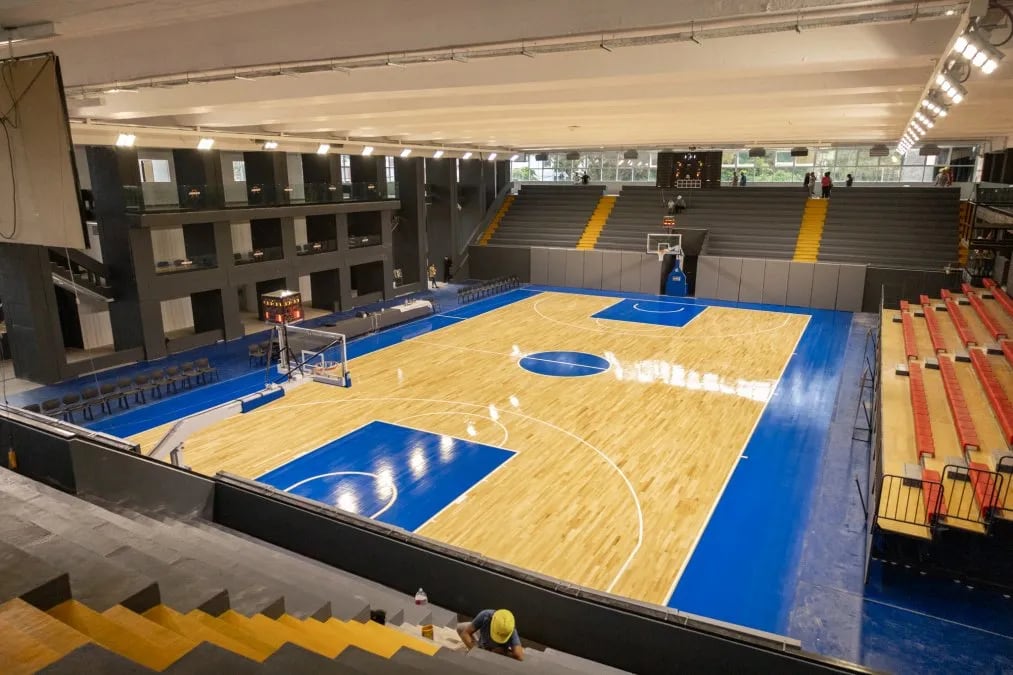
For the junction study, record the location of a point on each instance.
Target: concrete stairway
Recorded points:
(596, 222)
(547, 215)
(496, 220)
(807, 247)
(86, 587)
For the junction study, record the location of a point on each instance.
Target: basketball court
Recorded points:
(585, 436)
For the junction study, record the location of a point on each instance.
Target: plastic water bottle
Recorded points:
(421, 598)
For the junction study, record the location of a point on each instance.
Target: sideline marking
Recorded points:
(378, 480)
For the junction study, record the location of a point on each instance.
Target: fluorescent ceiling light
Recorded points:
(323, 149)
(492, 157)
(979, 59)
(367, 151)
(126, 140)
(119, 90)
(961, 44)
(205, 143)
(970, 51)
(270, 145)
(467, 155)
(406, 152)
(989, 66)
(437, 154)
(514, 158)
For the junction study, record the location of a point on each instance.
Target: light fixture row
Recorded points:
(981, 54)
(128, 140)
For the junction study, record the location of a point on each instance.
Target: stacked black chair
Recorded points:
(124, 388)
(70, 403)
(50, 407)
(89, 397)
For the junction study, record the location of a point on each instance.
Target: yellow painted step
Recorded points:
(269, 629)
(392, 639)
(160, 635)
(497, 219)
(136, 646)
(318, 630)
(59, 636)
(236, 632)
(191, 628)
(23, 653)
(596, 223)
(365, 640)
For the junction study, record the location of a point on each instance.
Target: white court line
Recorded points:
(502, 442)
(636, 306)
(379, 513)
(513, 355)
(608, 460)
(461, 497)
(312, 450)
(728, 478)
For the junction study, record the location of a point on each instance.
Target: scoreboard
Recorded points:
(281, 307)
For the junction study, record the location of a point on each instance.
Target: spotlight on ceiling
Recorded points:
(953, 91)
(125, 140)
(437, 154)
(514, 158)
(929, 150)
(323, 148)
(270, 145)
(205, 143)
(466, 155)
(406, 152)
(491, 157)
(981, 54)
(367, 151)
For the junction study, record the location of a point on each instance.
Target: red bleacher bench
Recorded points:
(1007, 350)
(984, 482)
(962, 420)
(932, 491)
(991, 325)
(924, 443)
(935, 332)
(945, 294)
(988, 283)
(994, 392)
(1000, 296)
(905, 306)
(910, 342)
(924, 300)
(964, 331)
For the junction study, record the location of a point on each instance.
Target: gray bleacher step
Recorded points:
(362, 661)
(91, 658)
(94, 580)
(290, 659)
(209, 659)
(543, 663)
(444, 661)
(31, 579)
(581, 665)
(501, 662)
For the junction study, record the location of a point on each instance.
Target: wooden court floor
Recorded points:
(616, 474)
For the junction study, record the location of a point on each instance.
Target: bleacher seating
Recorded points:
(932, 323)
(994, 392)
(924, 443)
(548, 215)
(910, 343)
(991, 325)
(1000, 296)
(963, 421)
(932, 492)
(757, 223)
(907, 227)
(963, 329)
(90, 588)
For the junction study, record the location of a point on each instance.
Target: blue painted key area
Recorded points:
(564, 364)
(657, 313)
(398, 475)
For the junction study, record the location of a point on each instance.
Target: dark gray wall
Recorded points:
(489, 262)
(442, 217)
(367, 169)
(34, 334)
(471, 194)
(901, 284)
(409, 241)
(325, 288)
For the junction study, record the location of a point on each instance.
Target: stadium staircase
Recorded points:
(895, 227)
(87, 587)
(496, 220)
(596, 222)
(807, 246)
(754, 223)
(547, 215)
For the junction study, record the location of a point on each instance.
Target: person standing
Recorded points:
(448, 265)
(432, 275)
(850, 181)
(826, 184)
(805, 183)
(742, 178)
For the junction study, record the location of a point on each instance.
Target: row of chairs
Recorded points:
(157, 383)
(487, 288)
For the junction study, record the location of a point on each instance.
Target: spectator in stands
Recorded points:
(808, 179)
(850, 181)
(943, 178)
(494, 631)
(827, 183)
(448, 266)
(814, 183)
(742, 178)
(680, 204)
(584, 178)
(432, 275)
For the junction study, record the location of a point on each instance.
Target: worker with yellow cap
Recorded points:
(494, 631)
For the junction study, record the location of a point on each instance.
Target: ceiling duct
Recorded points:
(542, 157)
(930, 150)
(573, 155)
(757, 152)
(631, 154)
(800, 152)
(879, 150)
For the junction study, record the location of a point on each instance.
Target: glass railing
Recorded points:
(204, 197)
(259, 255)
(188, 264)
(994, 196)
(361, 241)
(323, 246)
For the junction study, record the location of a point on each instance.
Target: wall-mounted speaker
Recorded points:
(757, 152)
(879, 150)
(542, 157)
(930, 150)
(573, 155)
(631, 154)
(800, 152)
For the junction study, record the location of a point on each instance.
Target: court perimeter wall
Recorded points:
(626, 634)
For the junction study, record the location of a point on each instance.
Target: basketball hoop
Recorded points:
(663, 250)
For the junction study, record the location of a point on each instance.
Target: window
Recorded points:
(346, 169)
(155, 171)
(239, 171)
(389, 163)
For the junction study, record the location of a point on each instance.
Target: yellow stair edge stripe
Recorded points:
(338, 630)
(114, 637)
(193, 629)
(153, 631)
(260, 633)
(494, 223)
(397, 637)
(234, 632)
(810, 234)
(301, 637)
(41, 626)
(596, 223)
(318, 631)
(24, 653)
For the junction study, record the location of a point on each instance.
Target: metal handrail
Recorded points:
(490, 213)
